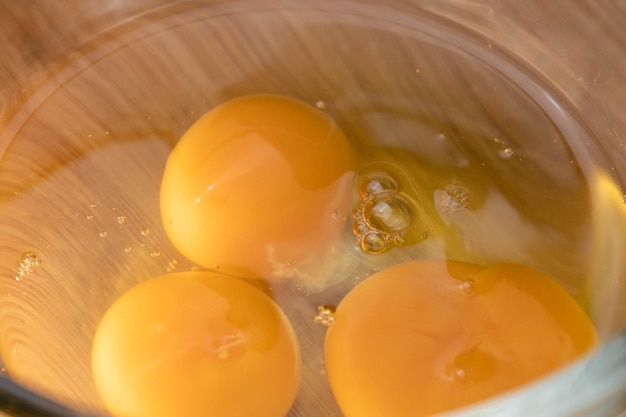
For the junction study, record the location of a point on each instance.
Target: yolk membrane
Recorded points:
(425, 337)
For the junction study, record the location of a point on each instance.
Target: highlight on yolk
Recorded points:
(196, 344)
(257, 183)
(425, 337)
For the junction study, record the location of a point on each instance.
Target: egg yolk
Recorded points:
(257, 183)
(196, 344)
(425, 337)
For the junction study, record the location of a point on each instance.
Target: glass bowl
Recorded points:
(518, 106)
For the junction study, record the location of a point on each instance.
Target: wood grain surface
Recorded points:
(93, 96)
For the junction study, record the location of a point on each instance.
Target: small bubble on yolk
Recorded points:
(196, 344)
(426, 337)
(265, 176)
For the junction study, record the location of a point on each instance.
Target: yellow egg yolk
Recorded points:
(196, 344)
(425, 337)
(257, 183)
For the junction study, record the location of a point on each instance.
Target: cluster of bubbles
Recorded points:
(325, 315)
(455, 198)
(383, 212)
(29, 262)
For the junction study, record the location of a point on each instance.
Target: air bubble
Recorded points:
(506, 153)
(376, 184)
(145, 232)
(373, 243)
(121, 219)
(103, 233)
(360, 228)
(320, 104)
(155, 254)
(467, 286)
(128, 249)
(389, 212)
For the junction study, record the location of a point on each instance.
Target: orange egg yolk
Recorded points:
(196, 344)
(257, 183)
(425, 337)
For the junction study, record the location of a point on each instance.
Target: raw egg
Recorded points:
(256, 184)
(196, 344)
(425, 337)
